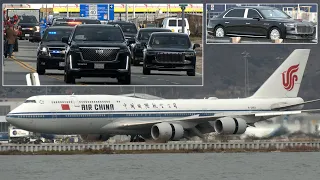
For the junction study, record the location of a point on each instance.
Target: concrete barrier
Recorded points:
(156, 146)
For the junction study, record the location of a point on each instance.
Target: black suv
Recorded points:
(129, 29)
(169, 51)
(51, 50)
(30, 29)
(260, 21)
(140, 40)
(97, 50)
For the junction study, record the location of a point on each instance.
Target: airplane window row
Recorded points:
(30, 101)
(31, 116)
(95, 101)
(59, 102)
(128, 115)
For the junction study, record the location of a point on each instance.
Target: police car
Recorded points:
(51, 51)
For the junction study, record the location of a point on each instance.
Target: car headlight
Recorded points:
(44, 49)
(37, 29)
(290, 25)
(189, 54)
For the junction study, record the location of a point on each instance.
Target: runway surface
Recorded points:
(24, 62)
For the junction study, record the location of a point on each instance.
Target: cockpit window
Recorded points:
(30, 101)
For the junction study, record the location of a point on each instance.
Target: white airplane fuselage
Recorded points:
(96, 114)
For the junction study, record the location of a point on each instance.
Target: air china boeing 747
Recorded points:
(101, 116)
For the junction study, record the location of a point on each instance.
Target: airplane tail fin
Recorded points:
(286, 80)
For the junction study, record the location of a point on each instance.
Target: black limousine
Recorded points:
(260, 21)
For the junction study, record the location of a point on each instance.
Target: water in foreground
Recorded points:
(203, 166)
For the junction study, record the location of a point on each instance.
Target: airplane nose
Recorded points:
(10, 118)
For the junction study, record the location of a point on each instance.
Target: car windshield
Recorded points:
(98, 34)
(170, 41)
(28, 19)
(55, 34)
(274, 14)
(128, 28)
(144, 35)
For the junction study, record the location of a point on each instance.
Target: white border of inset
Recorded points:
(111, 85)
(304, 3)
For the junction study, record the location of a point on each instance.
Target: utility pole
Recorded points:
(183, 7)
(134, 11)
(167, 10)
(246, 55)
(67, 10)
(126, 12)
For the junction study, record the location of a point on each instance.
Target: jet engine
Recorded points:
(95, 137)
(229, 125)
(167, 131)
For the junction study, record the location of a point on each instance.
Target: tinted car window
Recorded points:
(235, 13)
(253, 13)
(28, 19)
(170, 41)
(100, 34)
(145, 35)
(274, 13)
(180, 22)
(131, 28)
(172, 23)
(55, 34)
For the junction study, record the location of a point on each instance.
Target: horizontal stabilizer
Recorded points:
(295, 105)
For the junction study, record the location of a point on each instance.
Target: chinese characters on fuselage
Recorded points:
(148, 106)
(110, 107)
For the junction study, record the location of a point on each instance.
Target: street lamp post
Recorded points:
(246, 55)
(183, 7)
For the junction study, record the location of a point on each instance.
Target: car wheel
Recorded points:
(126, 79)
(41, 70)
(146, 71)
(274, 33)
(219, 32)
(191, 73)
(135, 62)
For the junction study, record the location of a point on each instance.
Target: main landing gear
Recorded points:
(137, 138)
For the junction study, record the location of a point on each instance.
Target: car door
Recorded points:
(254, 24)
(234, 20)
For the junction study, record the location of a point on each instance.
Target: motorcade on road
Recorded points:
(140, 40)
(97, 50)
(169, 51)
(51, 51)
(260, 21)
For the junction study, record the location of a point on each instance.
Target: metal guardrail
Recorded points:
(157, 146)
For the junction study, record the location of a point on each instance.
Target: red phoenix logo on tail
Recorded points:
(289, 77)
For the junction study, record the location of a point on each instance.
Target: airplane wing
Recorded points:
(197, 119)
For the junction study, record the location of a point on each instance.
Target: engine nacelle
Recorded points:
(229, 125)
(167, 131)
(95, 137)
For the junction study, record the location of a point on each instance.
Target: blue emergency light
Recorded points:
(52, 32)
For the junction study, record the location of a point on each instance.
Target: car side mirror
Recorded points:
(65, 39)
(256, 17)
(196, 46)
